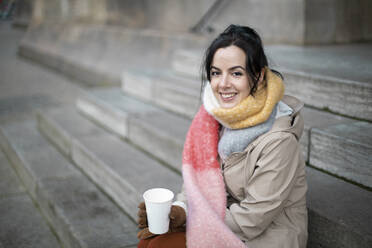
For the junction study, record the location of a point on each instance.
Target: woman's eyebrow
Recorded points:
(237, 67)
(216, 68)
(231, 68)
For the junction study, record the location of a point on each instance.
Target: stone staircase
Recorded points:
(79, 214)
(88, 166)
(22, 225)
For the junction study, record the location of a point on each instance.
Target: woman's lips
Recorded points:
(226, 97)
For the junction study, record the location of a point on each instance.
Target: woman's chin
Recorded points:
(230, 104)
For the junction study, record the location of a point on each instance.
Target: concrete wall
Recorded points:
(175, 15)
(276, 21)
(300, 21)
(338, 21)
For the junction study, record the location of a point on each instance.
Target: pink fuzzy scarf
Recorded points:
(204, 186)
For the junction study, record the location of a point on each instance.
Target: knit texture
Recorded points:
(205, 188)
(252, 110)
(236, 140)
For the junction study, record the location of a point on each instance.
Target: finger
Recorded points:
(142, 206)
(141, 213)
(175, 211)
(142, 220)
(142, 224)
(140, 233)
(148, 235)
(145, 234)
(177, 216)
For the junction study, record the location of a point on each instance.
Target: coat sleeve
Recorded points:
(267, 189)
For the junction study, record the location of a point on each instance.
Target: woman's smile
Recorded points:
(228, 77)
(227, 97)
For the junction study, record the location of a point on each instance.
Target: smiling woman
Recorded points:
(228, 77)
(243, 171)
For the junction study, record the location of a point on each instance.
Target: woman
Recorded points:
(243, 171)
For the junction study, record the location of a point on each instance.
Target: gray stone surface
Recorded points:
(21, 224)
(113, 164)
(188, 62)
(299, 21)
(32, 162)
(132, 172)
(344, 97)
(158, 132)
(111, 109)
(25, 87)
(345, 150)
(317, 119)
(9, 182)
(169, 91)
(177, 94)
(339, 213)
(180, 15)
(81, 215)
(97, 55)
(276, 21)
(337, 21)
(57, 136)
(328, 76)
(161, 134)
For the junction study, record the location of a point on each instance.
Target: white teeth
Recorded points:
(228, 95)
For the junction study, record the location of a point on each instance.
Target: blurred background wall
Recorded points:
(284, 21)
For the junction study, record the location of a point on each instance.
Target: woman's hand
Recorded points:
(142, 216)
(177, 220)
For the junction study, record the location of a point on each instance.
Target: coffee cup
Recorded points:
(158, 203)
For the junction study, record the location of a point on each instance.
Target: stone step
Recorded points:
(167, 140)
(178, 94)
(345, 150)
(325, 77)
(22, 225)
(158, 132)
(331, 214)
(188, 62)
(9, 182)
(327, 151)
(314, 118)
(75, 208)
(118, 168)
(96, 54)
(339, 212)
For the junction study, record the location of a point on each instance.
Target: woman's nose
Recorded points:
(224, 82)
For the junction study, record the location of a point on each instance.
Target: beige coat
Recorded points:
(266, 186)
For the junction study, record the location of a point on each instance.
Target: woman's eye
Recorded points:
(237, 74)
(214, 73)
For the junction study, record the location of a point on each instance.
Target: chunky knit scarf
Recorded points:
(203, 181)
(236, 140)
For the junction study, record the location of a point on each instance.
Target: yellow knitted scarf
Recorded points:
(252, 110)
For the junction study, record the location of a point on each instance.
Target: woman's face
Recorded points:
(228, 77)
